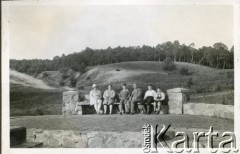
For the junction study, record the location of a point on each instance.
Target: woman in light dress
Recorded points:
(96, 98)
(108, 96)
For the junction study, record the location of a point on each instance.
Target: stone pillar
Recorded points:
(177, 97)
(70, 100)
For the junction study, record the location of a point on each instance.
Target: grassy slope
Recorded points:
(206, 81)
(27, 100)
(53, 78)
(145, 73)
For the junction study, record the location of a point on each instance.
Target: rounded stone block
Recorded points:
(55, 142)
(80, 139)
(41, 138)
(67, 142)
(96, 142)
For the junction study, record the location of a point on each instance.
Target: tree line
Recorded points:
(216, 56)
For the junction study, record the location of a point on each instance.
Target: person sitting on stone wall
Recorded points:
(136, 98)
(108, 96)
(124, 96)
(95, 98)
(149, 98)
(158, 104)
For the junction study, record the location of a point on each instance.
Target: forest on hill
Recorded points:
(216, 56)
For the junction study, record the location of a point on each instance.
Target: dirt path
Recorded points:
(120, 123)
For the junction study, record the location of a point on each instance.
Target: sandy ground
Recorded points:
(121, 123)
(27, 80)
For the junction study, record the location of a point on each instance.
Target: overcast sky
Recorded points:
(41, 31)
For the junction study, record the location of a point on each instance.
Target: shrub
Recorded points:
(27, 112)
(230, 75)
(45, 74)
(215, 88)
(39, 112)
(169, 65)
(117, 69)
(88, 78)
(64, 76)
(73, 81)
(35, 75)
(184, 71)
(63, 70)
(61, 83)
(201, 90)
(80, 87)
(189, 83)
(82, 68)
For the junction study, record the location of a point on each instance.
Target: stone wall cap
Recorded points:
(178, 90)
(70, 92)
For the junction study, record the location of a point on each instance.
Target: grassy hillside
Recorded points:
(25, 100)
(37, 96)
(204, 79)
(213, 86)
(59, 79)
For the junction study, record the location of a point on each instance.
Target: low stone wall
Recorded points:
(76, 139)
(215, 110)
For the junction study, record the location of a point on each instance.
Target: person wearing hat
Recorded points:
(96, 98)
(108, 96)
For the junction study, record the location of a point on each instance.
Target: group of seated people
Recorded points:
(128, 100)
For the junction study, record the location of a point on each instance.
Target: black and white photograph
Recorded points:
(144, 76)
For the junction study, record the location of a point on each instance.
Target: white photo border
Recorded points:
(5, 69)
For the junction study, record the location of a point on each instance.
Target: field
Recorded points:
(209, 85)
(121, 123)
(33, 101)
(225, 98)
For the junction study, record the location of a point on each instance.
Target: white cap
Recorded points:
(94, 85)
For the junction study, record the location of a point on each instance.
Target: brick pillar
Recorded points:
(177, 97)
(70, 100)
